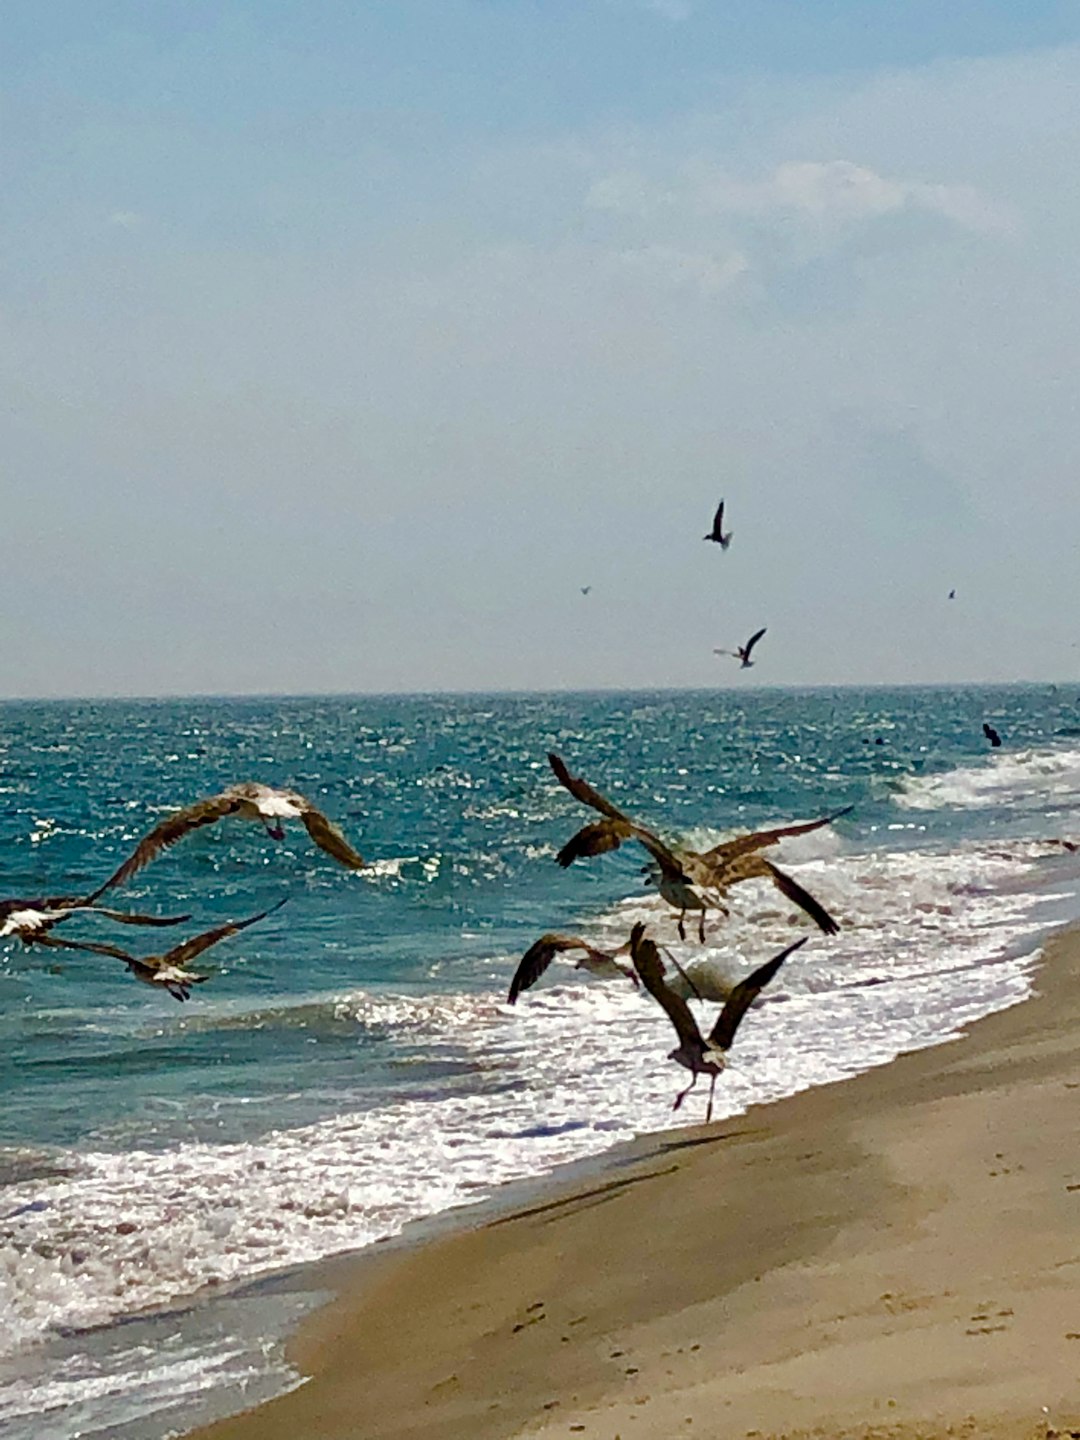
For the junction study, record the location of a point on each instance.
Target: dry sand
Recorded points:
(897, 1255)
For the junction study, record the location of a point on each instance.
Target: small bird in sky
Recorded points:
(700, 1055)
(743, 651)
(717, 532)
(952, 594)
(992, 735)
(251, 801)
(585, 589)
(170, 969)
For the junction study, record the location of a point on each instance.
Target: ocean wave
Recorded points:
(930, 942)
(1034, 780)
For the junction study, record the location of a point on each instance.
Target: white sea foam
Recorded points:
(930, 941)
(1038, 780)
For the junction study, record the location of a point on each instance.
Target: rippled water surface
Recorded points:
(351, 1063)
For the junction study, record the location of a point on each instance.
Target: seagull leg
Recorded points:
(682, 927)
(712, 1092)
(276, 832)
(701, 927)
(683, 1093)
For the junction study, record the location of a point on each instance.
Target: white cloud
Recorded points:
(679, 269)
(830, 192)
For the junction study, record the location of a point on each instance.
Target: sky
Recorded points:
(342, 345)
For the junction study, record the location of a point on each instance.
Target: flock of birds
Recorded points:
(33, 921)
(690, 881)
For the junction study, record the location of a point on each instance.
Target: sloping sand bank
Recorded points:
(897, 1255)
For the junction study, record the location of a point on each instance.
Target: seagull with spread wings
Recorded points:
(742, 652)
(699, 1054)
(31, 919)
(717, 532)
(250, 801)
(168, 970)
(543, 951)
(682, 874)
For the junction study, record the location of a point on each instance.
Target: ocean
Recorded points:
(351, 1065)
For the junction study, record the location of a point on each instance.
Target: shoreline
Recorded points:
(896, 1254)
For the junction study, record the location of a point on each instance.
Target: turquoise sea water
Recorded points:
(352, 1065)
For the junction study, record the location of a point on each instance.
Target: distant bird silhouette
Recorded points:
(168, 970)
(742, 652)
(717, 532)
(251, 801)
(585, 589)
(700, 1055)
(30, 920)
(680, 873)
(992, 735)
(952, 594)
(541, 953)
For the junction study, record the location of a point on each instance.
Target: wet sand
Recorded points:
(893, 1257)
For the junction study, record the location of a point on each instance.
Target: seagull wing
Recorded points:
(183, 954)
(583, 791)
(743, 996)
(174, 827)
(752, 642)
(718, 523)
(113, 951)
(127, 917)
(805, 901)
(537, 959)
(329, 838)
(595, 839)
(650, 967)
(759, 839)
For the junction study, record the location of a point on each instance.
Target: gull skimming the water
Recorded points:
(992, 735)
(680, 873)
(253, 802)
(742, 652)
(170, 969)
(541, 953)
(700, 1055)
(717, 532)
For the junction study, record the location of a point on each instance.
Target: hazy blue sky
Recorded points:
(341, 343)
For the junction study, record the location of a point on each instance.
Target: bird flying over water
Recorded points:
(541, 953)
(742, 652)
(31, 919)
(691, 879)
(251, 801)
(992, 735)
(698, 1054)
(717, 532)
(170, 969)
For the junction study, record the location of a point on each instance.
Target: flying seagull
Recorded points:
(952, 594)
(700, 1055)
(717, 532)
(992, 735)
(742, 652)
(170, 969)
(252, 802)
(31, 919)
(585, 589)
(680, 873)
(541, 953)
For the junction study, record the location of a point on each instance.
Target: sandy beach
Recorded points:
(894, 1256)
